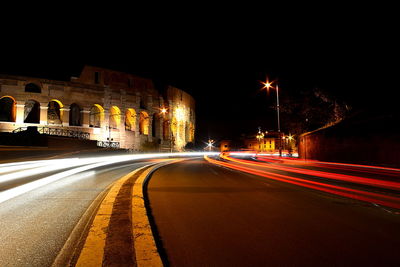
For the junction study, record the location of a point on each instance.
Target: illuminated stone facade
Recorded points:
(107, 104)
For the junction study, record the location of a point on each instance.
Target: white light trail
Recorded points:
(19, 190)
(53, 166)
(44, 166)
(10, 167)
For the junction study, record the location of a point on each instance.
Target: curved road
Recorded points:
(34, 226)
(207, 215)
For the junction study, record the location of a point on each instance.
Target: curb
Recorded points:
(93, 249)
(145, 249)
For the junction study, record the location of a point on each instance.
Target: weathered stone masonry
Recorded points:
(107, 104)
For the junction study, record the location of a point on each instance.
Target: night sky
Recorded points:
(222, 61)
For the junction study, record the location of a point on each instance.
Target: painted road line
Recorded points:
(70, 250)
(145, 246)
(93, 249)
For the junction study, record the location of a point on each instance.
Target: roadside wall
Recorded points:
(372, 141)
(41, 140)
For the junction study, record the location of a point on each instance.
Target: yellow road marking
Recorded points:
(143, 240)
(145, 247)
(93, 249)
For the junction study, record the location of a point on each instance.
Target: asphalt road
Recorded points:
(207, 215)
(15, 154)
(35, 226)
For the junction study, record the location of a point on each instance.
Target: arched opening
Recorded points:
(187, 132)
(166, 130)
(174, 128)
(144, 122)
(130, 119)
(54, 114)
(75, 115)
(115, 117)
(191, 132)
(155, 126)
(32, 88)
(7, 109)
(96, 116)
(32, 112)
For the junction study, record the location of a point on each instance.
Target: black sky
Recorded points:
(221, 58)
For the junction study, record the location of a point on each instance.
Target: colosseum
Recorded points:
(114, 108)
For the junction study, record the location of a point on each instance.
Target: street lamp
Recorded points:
(164, 111)
(268, 85)
(110, 140)
(259, 136)
(210, 144)
(289, 142)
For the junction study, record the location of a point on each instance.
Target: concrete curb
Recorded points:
(93, 249)
(146, 251)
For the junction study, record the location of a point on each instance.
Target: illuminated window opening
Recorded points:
(144, 122)
(115, 117)
(96, 116)
(130, 119)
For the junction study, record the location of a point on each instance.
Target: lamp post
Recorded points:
(210, 144)
(110, 140)
(164, 111)
(289, 141)
(259, 137)
(268, 85)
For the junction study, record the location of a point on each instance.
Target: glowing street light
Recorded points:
(163, 110)
(210, 144)
(268, 85)
(259, 137)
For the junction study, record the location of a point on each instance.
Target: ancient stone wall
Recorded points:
(109, 105)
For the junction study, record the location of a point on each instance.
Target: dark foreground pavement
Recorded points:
(207, 215)
(17, 154)
(35, 226)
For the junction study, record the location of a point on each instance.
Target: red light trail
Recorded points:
(335, 176)
(367, 196)
(333, 165)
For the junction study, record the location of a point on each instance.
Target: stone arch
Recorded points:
(130, 119)
(75, 115)
(114, 117)
(155, 125)
(180, 137)
(96, 116)
(33, 88)
(174, 128)
(191, 132)
(32, 112)
(54, 113)
(187, 132)
(7, 108)
(166, 130)
(144, 122)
